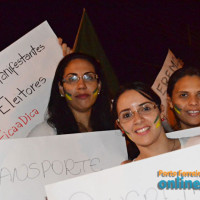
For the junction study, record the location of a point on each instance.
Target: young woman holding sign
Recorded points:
(184, 97)
(138, 112)
(79, 100)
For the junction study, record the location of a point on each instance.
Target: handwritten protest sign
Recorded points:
(27, 69)
(171, 64)
(27, 164)
(167, 176)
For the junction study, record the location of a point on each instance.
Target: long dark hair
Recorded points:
(180, 73)
(145, 91)
(61, 116)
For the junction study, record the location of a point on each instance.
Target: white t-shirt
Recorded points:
(42, 129)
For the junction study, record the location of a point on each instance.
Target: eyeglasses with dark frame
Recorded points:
(143, 110)
(73, 78)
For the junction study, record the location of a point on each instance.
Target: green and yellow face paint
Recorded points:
(157, 121)
(95, 92)
(177, 109)
(128, 135)
(68, 96)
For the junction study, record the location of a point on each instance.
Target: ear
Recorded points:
(61, 90)
(99, 86)
(169, 101)
(162, 111)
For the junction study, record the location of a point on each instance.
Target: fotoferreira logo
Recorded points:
(179, 180)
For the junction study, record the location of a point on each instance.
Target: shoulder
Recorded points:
(126, 161)
(42, 129)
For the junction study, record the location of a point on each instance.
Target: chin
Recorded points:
(192, 125)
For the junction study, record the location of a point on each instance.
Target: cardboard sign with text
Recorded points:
(159, 86)
(27, 69)
(27, 164)
(174, 175)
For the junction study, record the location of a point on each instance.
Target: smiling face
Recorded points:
(185, 101)
(82, 94)
(144, 128)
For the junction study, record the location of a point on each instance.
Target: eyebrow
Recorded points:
(183, 91)
(77, 74)
(128, 109)
(187, 92)
(71, 74)
(146, 103)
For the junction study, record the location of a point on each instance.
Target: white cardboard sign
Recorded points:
(171, 64)
(141, 180)
(27, 164)
(27, 69)
(191, 132)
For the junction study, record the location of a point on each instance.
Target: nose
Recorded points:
(137, 118)
(194, 100)
(81, 84)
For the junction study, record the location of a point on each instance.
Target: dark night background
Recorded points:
(135, 35)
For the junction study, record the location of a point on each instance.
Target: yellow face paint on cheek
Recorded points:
(68, 96)
(95, 92)
(157, 121)
(177, 109)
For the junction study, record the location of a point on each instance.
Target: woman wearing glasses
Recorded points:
(138, 114)
(79, 99)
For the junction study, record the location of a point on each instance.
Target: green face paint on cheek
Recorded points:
(126, 132)
(68, 96)
(157, 121)
(95, 92)
(177, 109)
(128, 135)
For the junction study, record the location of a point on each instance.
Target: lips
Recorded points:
(82, 96)
(143, 131)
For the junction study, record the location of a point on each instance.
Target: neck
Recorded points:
(185, 126)
(83, 120)
(160, 146)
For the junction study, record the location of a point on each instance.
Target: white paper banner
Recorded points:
(27, 164)
(159, 86)
(147, 179)
(27, 69)
(191, 132)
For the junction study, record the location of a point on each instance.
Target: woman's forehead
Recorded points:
(79, 66)
(187, 83)
(130, 98)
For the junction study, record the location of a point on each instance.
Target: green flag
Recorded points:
(87, 42)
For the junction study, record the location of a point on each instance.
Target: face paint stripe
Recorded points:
(157, 121)
(126, 132)
(68, 96)
(128, 135)
(177, 109)
(95, 92)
